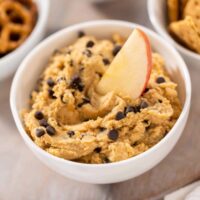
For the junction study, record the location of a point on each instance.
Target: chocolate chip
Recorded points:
(98, 150)
(50, 82)
(134, 109)
(61, 98)
(106, 160)
(90, 44)
(100, 75)
(137, 109)
(85, 101)
(51, 94)
(102, 129)
(43, 122)
(106, 61)
(87, 52)
(113, 134)
(160, 80)
(71, 63)
(120, 115)
(61, 79)
(134, 144)
(81, 34)
(70, 133)
(39, 115)
(116, 50)
(39, 132)
(76, 83)
(160, 101)
(144, 104)
(129, 109)
(146, 121)
(50, 130)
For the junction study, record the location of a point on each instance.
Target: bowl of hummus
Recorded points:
(93, 137)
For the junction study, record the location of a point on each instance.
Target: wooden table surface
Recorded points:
(23, 176)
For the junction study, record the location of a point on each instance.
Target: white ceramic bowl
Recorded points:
(34, 64)
(158, 16)
(10, 62)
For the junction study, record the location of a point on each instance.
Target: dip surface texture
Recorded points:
(70, 119)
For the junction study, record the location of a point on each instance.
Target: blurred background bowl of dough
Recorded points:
(32, 67)
(157, 11)
(10, 62)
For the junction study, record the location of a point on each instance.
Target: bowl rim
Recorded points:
(163, 32)
(43, 12)
(75, 28)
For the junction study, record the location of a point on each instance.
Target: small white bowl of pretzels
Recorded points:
(22, 26)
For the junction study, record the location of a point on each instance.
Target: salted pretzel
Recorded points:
(16, 23)
(31, 6)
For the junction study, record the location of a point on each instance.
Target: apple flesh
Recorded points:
(130, 70)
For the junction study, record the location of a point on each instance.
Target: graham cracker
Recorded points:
(186, 32)
(173, 10)
(192, 9)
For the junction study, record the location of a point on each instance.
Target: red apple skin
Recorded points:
(149, 57)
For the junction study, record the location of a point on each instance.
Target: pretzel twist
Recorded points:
(16, 23)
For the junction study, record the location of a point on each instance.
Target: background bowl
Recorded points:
(158, 15)
(30, 69)
(10, 62)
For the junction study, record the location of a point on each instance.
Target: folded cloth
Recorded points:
(194, 195)
(186, 193)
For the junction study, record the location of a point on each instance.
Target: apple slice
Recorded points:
(129, 72)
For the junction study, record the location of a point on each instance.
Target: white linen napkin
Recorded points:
(194, 195)
(189, 192)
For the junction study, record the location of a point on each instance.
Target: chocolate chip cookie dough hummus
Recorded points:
(70, 119)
